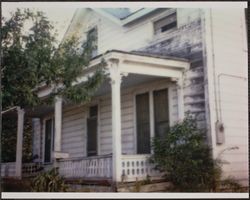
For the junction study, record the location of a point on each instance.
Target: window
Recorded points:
(165, 24)
(92, 131)
(49, 140)
(92, 41)
(161, 113)
(143, 123)
(161, 118)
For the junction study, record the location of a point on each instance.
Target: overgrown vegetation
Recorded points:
(8, 141)
(185, 158)
(31, 58)
(49, 181)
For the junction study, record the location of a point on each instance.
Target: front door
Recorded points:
(49, 140)
(92, 131)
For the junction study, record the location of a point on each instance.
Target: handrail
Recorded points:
(85, 158)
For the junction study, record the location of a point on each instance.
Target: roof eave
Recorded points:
(137, 15)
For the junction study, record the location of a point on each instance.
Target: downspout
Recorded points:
(219, 127)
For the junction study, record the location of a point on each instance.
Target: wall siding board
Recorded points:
(232, 92)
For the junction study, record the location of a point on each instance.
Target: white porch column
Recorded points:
(19, 144)
(180, 95)
(58, 124)
(115, 77)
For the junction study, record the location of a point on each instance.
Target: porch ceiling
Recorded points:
(128, 81)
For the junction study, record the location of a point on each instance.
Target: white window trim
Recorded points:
(89, 28)
(51, 116)
(150, 90)
(159, 17)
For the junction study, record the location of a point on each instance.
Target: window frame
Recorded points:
(150, 88)
(87, 112)
(49, 117)
(92, 28)
(160, 17)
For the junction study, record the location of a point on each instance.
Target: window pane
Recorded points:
(92, 131)
(143, 125)
(161, 112)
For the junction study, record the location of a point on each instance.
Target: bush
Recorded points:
(186, 158)
(49, 181)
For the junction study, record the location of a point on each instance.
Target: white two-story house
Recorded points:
(160, 63)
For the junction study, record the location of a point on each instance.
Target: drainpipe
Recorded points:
(219, 126)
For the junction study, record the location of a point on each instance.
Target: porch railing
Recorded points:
(8, 169)
(28, 169)
(31, 169)
(138, 167)
(90, 167)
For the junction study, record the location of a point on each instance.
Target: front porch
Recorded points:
(116, 157)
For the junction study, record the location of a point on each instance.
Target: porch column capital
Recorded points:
(114, 73)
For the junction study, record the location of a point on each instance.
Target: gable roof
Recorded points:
(121, 16)
(124, 15)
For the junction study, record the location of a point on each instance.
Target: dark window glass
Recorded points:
(165, 24)
(48, 140)
(161, 112)
(143, 123)
(92, 131)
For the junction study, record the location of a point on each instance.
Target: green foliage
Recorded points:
(49, 181)
(8, 139)
(186, 158)
(32, 57)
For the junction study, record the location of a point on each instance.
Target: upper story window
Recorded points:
(91, 42)
(166, 23)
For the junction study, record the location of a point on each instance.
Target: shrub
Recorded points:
(186, 159)
(49, 181)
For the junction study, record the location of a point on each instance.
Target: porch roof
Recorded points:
(136, 63)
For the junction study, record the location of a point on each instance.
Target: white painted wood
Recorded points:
(138, 167)
(151, 115)
(86, 167)
(180, 99)
(74, 131)
(115, 77)
(19, 144)
(58, 124)
(225, 50)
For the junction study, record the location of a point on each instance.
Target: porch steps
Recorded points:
(140, 186)
(89, 185)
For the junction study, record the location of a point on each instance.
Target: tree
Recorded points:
(32, 57)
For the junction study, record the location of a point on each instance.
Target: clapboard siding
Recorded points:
(230, 59)
(36, 146)
(73, 131)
